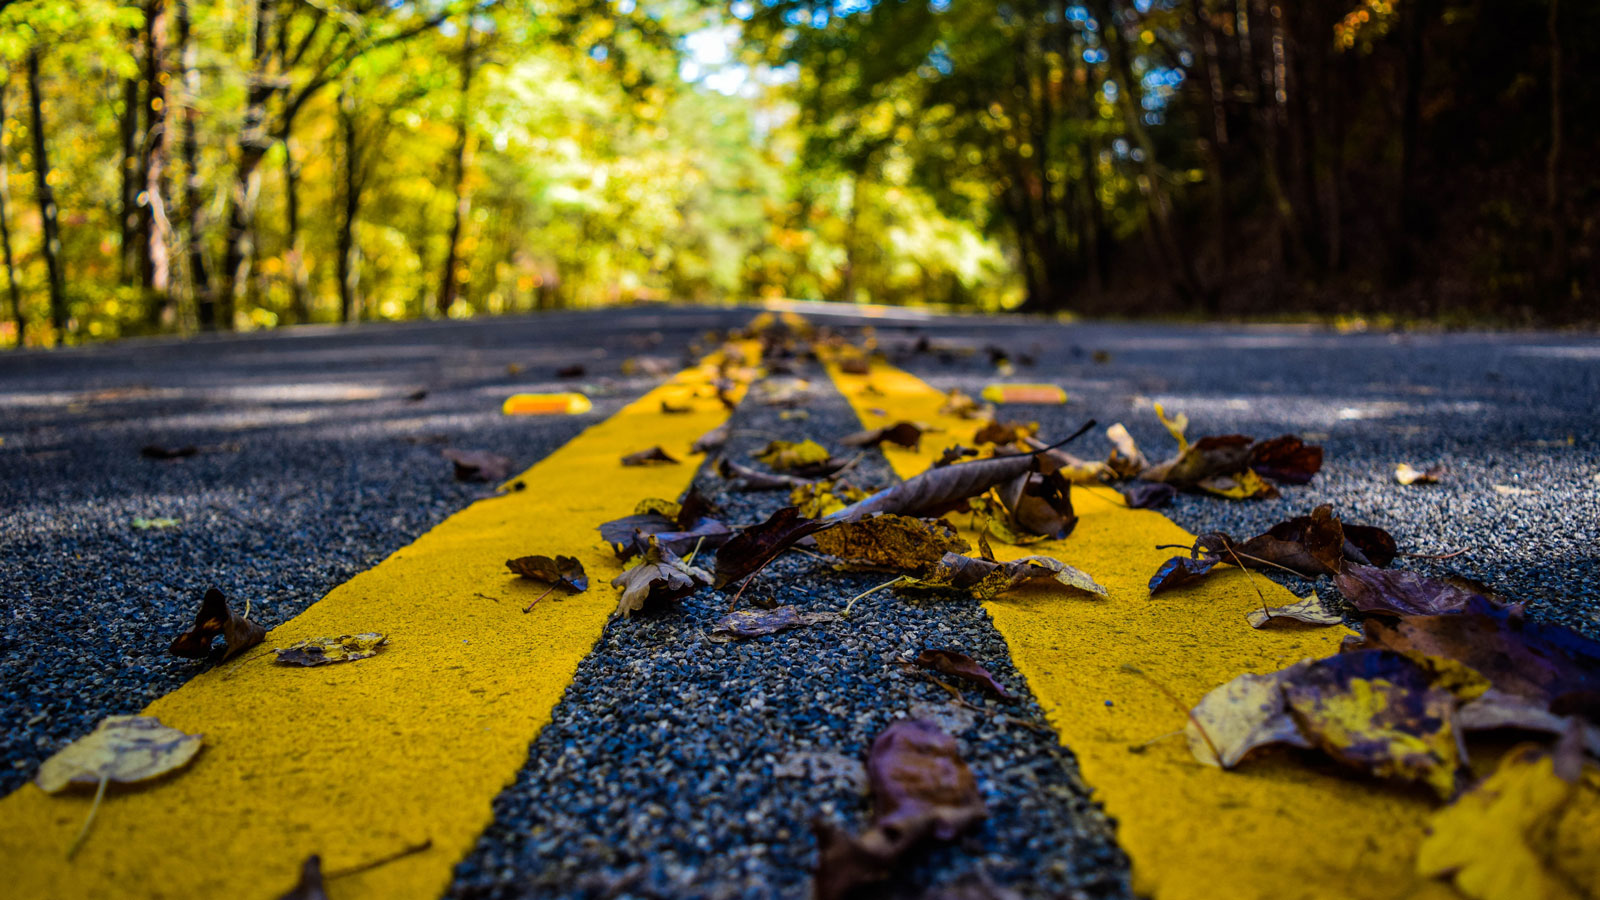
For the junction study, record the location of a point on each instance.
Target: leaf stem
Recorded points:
(536, 600)
(99, 794)
(380, 861)
(895, 580)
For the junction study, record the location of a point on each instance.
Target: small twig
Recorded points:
(1167, 692)
(749, 578)
(380, 861)
(485, 596)
(99, 794)
(536, 600)
(950, 689)
(1252, 579)
(871, 590)
(848, 466)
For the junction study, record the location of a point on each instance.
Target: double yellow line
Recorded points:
(1277, 829)
(357, 762)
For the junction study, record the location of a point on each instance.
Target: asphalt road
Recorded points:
(315, 463)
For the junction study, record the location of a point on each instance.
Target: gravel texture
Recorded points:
(665, 754)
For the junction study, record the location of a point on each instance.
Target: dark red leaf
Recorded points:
(755, 546)
(961, 665)
(565, 572)
(1400, 593)
(1286, 459)
(215, 618)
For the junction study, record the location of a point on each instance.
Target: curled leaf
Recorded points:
(755, 546)
(902, 434)
(659, 576)
(326, 650)
(962, 406)
(1181, 571)
(986, 579)
(565, 572)
(922, 790)
(750, 623)
(1126, 460)
(820, 498)
(1405, 474)
(1398, 592)
(478, 465)
(744, 478)
(711, 440)
(215, 618)
(1240, 716)
(1286, 459)
(1004, 432)
(649, 457)
(1308, 611)
(1149, 495)
(961, 665)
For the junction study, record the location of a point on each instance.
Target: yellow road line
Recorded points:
(360, 760)
(1275, 828)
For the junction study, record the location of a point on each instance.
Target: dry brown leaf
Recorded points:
(900, 542)
(215, 618)
(478, 465)
(660, 576)
(750, 623)
(649, 457)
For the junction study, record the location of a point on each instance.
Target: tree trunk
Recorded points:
(299, 311)
(254, 142)
(48, 213)
(348, 262)
(131, 141)
(12, 288)
(156, 267)
(199, 280)
(450, 276)
(1555, 204)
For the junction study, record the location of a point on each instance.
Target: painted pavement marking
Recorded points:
(359, 761)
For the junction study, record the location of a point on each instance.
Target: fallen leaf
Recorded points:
(784, 456)
(757, 545)
(1176, 425)
(478, 465)
(940, 489)
(886, 539)
(214, 618)
(565, 572)
(1241, 485)
(1496, 841)
(1518, 655)
(123, 749)
(744, 478)
(1053, 460)
(310, 886)
(961, 665)
(1398, 592)
(1496, 710)
(659, 576)
(1378, 711)
(749, 623)
(144, 524)
(922, 790)
(161, 451)
(1406, 474)
(712, 440)
(1242, 715)
(1039, 503)
(326, 650)
(1311, 546)
(1286, 459)
(1181, 571)
(902, 434)
(986, 579)
(1224, 454)
(819, 498)
(962, 406)
(954, 454)
(649, 457)
(1004, 432)
(855, 365)
(675, 409)
(1308, 611)
(1507, 490)
(1149, 495)
(417, 396)
(576, 370)
(1126, 460)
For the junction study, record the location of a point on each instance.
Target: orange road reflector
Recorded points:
(1025, 393)
(567, 404)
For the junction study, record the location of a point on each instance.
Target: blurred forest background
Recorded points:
(194, 165)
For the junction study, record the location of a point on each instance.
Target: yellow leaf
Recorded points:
(1496, 841)
(785, 455)
(324, 650)
(124, 749)
(1176, 426)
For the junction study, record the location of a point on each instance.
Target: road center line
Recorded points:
(358, 761)
(1275, 828)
